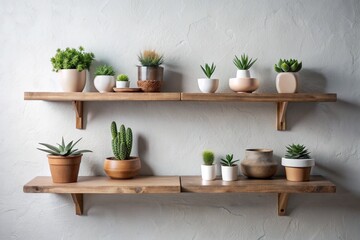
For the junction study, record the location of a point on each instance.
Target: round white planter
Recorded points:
(243, 85)
(122, 84)
(229, 173)
(104, 83)
(71, 80)
(242, 73)
(207, 85)
(299, 163)
(287, 82)
(208, 172)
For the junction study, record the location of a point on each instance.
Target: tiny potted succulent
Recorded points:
(64, 161)
(243, 83)
(71, 65)
(208, 84)
(208, 168)
(297, 163)
(287, 80)
(150, 74)
(122, 165)
(122, 81)
(229, 168)
(104, 80)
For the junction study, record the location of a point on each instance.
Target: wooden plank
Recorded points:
(105, 185)
(317, 184)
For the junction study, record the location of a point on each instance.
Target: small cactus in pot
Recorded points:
(208, 171)
(287, 80)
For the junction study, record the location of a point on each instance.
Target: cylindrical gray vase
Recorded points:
(259, 163)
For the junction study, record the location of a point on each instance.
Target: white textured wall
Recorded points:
(171, 136)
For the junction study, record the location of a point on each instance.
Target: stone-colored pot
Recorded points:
(64, 169)
(71, 80)
(287, 82)
(122, 169)
(122, 84)
(259, 163)
(229, 173)
(297, 170)
(208, 172)
(207, 85)
(104, 83)
(150, 78)
(242, 74)
(243, 85)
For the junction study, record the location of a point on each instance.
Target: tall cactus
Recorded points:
(121, 141)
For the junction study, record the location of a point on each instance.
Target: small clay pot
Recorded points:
(122, 169)
(243, 85)
(297, 170)
(287, 82)
(64, 169)
(259, 163)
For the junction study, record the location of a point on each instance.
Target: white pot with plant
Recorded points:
(104, 80)
(297, 163)
(150, 73)
(208, 84)
(122, 81)
(71, 65)
(208, 171)
(287, 80)
(229, 170)
(243, 83)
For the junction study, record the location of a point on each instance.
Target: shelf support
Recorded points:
(282, 203)
(79, 203)
(280, 116)
(78, 106)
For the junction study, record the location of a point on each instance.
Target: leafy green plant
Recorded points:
(228, 161)
(122, 77)
(150, 58)
(297, 151)
(63, 149)
(105, 70)
(291, 65)
(208, 157)
(71, 58)
(208, 70)
(121, 141)
(243, 63)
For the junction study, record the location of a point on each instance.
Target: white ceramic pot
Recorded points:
(242, 73)
(122, 84)
(71, 80)
(286, 162)
(208, 172)
(287, 82)
(243, 85)
(104, 83)
(207, 85)
(229, 173)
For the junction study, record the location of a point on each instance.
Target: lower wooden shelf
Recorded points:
(176, 184)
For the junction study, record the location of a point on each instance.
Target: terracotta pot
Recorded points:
(64, 169)
(297, 170)
(104, 83)
(243, 85)
(150, 78)
(122, 169)
(149, 85)
(71, 80)
(208, 172)
(207, 85)
(259, 163)
(229, 173)
(287, 82)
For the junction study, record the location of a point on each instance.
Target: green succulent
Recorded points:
(243, 63)
(104, 70)
(122, 77)
(71, 58)
(121, 141)
(63, 149)
(291, 65)
(208, 157)
(150, 58)
(228, 161)
(208, 70)
(297, 151)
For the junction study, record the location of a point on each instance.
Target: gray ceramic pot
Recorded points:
(259, 163)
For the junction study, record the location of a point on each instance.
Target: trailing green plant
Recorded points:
(104, 70)
(121, 141)
(297, 151)
(208, 157)
(243, 63)
(71, 58)
(122, 77)
(291, 65)
(150, 58)
(63, 149)
(208, 70)
(228, 161)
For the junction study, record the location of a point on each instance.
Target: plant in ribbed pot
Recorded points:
(64, 161)
(122, 165)
(229, 168)
(287, 80)
(104, 80)
(208, 168)
(208, 84)
(243, 83)
(150, 74)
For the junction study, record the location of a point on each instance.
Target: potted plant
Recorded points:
(287, 80)
(71, 64)
(150, 74)
(64, 161)
(243, 83)
(104, 80)
(297, 163)
(122, 165)
(208, 84)
(229, 170)
(208, 168)
(122, 81)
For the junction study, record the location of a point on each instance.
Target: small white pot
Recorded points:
(122, 84)
(207, 85)
(242, 74)
(208, 172)
(287, 82)
(104, 83)
(71, 80)
(229, 173)
(286, 162)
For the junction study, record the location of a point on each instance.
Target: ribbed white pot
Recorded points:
(104, 83)
(229, 173)
(71, 80)
(242, 74)
(299, 163)
(208, 172)
(122, 84)
(207, 85)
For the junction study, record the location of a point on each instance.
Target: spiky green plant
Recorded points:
(208, 157)
(71, 58)
(105, 70)
(63, 149)
(208, 70)
(243, 63)
(228, 161)
(150, 58)
(291, 65)
(121, 141)
(297, 151)
(122, 77)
